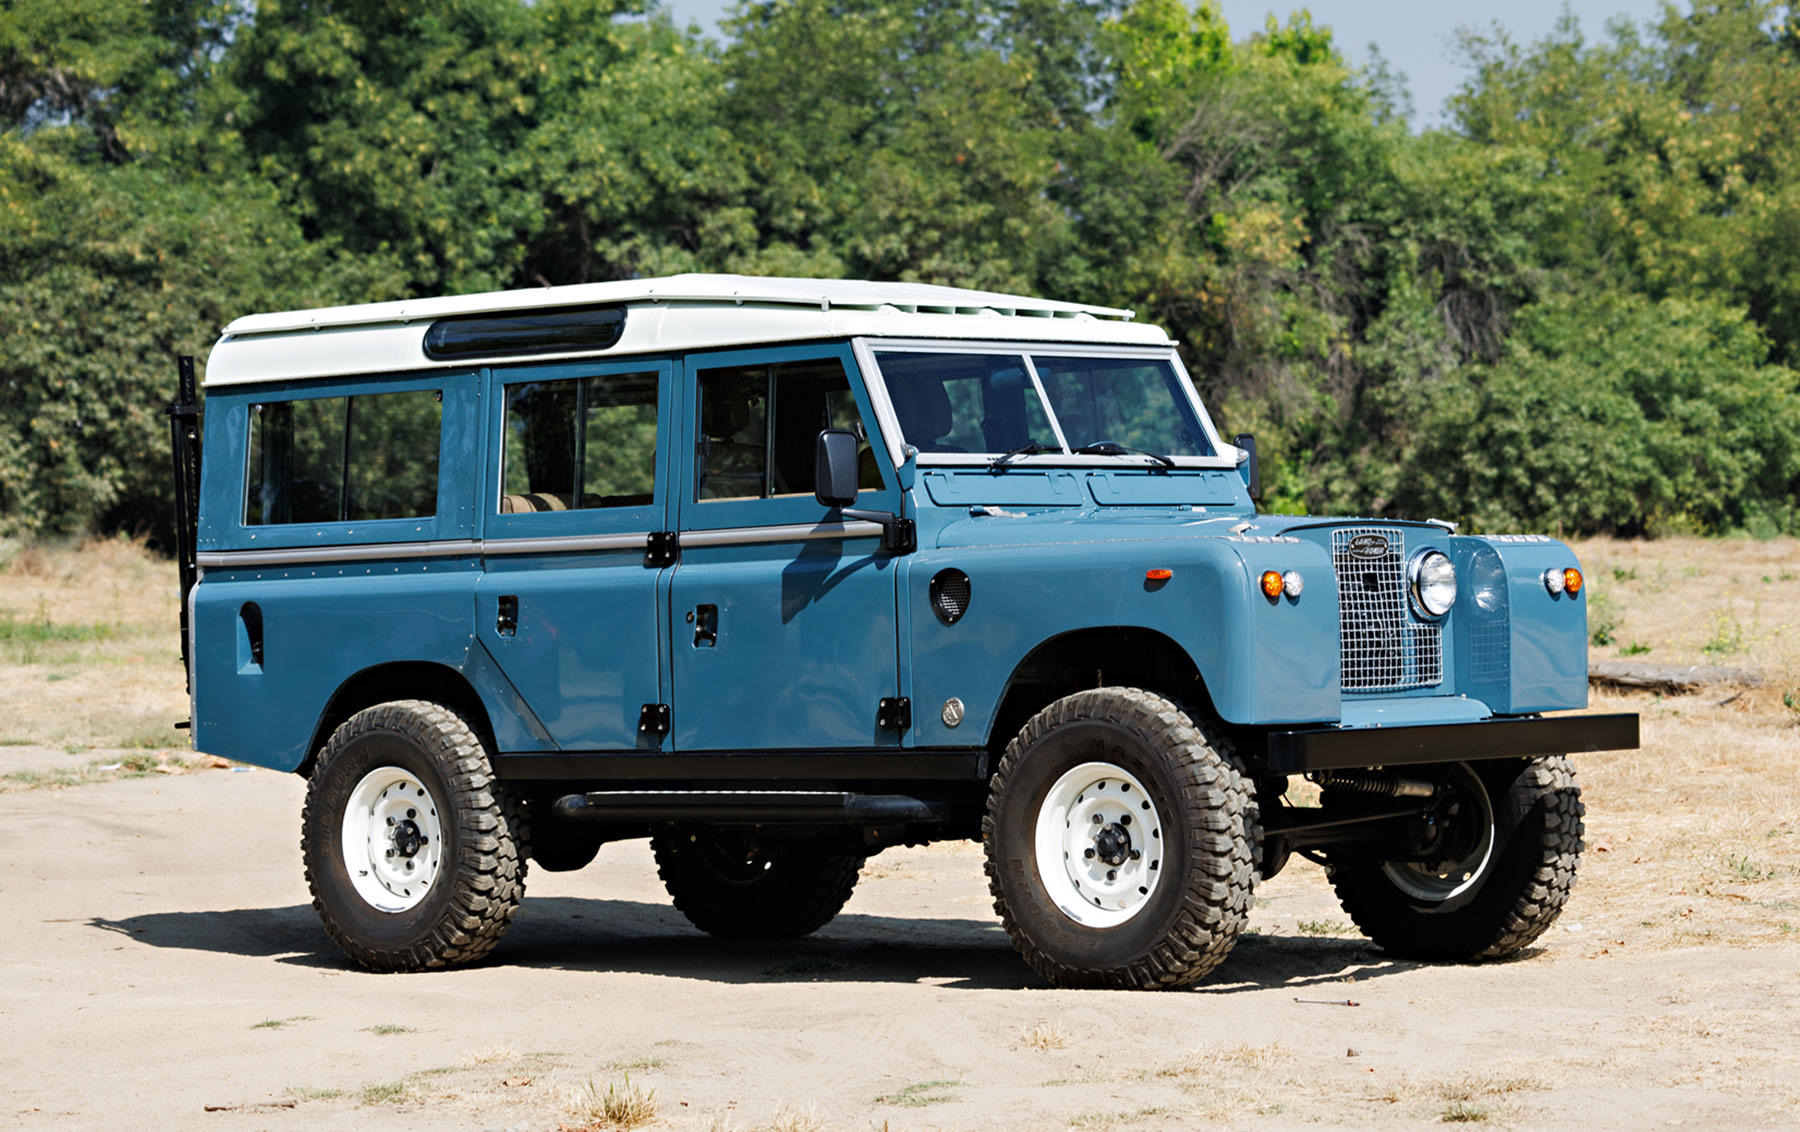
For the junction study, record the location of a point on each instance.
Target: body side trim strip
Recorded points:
(308, 555)
(565, 544)
(569, 544)
(792, 532)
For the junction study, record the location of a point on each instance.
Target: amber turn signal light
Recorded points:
(1159, 575)
(1271, 584)
(1572, 581)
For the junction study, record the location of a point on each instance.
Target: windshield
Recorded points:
(950, 403)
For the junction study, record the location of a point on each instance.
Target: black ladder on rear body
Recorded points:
(184, 442)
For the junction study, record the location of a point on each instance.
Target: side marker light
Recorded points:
(1572, 581)
(1272, 584)
(1292, 583)
(1159, 575)
(1553, 581)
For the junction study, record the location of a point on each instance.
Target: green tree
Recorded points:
(1614, 413)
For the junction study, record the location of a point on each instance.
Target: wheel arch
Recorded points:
(402, 680)
(1116, 655)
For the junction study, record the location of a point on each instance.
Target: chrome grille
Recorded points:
(1383, 647)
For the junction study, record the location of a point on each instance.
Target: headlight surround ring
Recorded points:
(1431, 582)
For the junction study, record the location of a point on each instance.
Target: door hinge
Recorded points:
(894, 713)
(654, 720)
(662, 548)
(901, 538)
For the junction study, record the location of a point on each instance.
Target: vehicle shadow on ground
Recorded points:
(568, 933)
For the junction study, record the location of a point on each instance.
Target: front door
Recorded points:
(567, 604)
(782, 623)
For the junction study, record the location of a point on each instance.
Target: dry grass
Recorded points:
(792, 1120)
(1695, 837)
(1696, 601)
(141, 764)
(1469, 1089)
(1043, 1036)
(90, 654)
(1207, 1060)
(921, 1093)
(491, 1055)
(622, 1106)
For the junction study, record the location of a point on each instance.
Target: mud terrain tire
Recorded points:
(1537, 815)
(1169, 893)
(743, 887)
(419, 764)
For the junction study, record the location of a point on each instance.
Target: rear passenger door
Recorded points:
(567, 604)
(782, 617)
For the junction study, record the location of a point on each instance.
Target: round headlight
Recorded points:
(1432, 581)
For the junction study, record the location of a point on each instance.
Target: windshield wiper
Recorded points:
(1031, 448)
(1110, 448)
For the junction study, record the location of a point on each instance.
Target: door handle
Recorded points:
(506, 621)
(705, 620)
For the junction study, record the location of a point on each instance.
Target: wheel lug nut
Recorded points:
(1088, 853)
(390, 852)
(1096, 819)
(390, 821)
(1136, 853)
(1112, 874)
(412, 813)
(1126, 820)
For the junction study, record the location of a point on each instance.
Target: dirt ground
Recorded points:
(159, 956)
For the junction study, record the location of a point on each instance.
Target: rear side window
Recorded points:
(344, 459)
(578, 444)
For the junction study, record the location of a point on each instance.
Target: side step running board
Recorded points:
(749, 807)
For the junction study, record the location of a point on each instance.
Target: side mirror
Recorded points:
(834, 485)
(834, 468)
(1248, 467)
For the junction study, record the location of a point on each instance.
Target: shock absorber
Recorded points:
(1374, 785)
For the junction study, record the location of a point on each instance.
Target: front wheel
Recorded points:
(415, 855)
(1121, 839)
(1484, 873)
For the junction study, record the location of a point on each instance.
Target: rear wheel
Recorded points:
(747, 886)
(1120, 840)
(1485, 872)
(415, 855)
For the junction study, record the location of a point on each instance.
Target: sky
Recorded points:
(1413, 35)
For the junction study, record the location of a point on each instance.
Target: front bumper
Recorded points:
(1340, 748)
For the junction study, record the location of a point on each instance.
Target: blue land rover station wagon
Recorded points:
(780, 573)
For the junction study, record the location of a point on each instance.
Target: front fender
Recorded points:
(1263, 662)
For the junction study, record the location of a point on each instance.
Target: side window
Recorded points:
(759, 427)
(580, 443)
(344, 459)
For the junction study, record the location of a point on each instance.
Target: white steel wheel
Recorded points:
(1462, 861)
(1099, 845)
(393, 839)
(1472, 888)
(1162, 806)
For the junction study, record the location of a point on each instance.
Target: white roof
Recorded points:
(679, 312)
